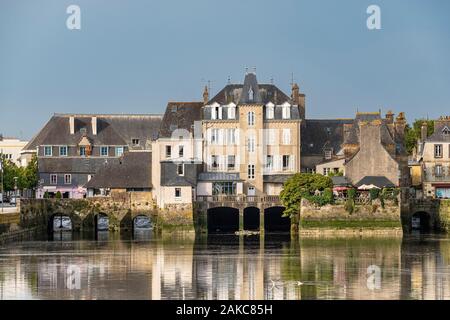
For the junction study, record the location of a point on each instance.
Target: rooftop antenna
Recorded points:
(292, 79)
(208, 83)
(271, 80)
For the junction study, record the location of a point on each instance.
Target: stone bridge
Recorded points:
(225, 213)
(121, 212)
(428, 215)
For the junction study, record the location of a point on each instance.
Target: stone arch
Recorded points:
(60, 222)
(101, 222)
(274, 220)
(223, 220)
(421, 221)
(142, 222)
(251, 218)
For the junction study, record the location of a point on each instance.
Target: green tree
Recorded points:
(413, 133)
(27, 177)
(303, 185)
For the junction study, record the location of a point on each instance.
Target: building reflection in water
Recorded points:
(182, 266)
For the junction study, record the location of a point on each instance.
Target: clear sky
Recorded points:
(134, 56)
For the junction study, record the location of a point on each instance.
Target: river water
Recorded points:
(181, 266)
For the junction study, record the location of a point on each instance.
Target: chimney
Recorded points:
(424, 131)
(94, 126)
(390, 117)
(400, 125)
(295, 94)
(205, 95)
(72, 125)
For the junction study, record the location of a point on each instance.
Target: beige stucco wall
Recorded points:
(12, 148)
(331, 165)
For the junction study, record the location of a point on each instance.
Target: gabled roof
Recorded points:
(180, 115)
(111, 130)
(439, 128)
(132, 170)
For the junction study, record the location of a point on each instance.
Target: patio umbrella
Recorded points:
(368, 187)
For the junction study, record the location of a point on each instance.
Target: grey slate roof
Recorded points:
(238, 93)
(316, 135)
(180, 115)
(340, 181)
(132, 170)
(219, 176)
(111, 130)
(438, 136)
(351, 134)
(379, 181)
(73, 165)
(277, 178)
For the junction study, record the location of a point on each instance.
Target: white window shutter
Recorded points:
(213, 113)
(220, 112)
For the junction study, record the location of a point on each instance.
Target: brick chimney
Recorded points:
(205, 95)
(390, 116)
(295, 93)
(72, 125)
(400, 125)
(94, 126)
(298, 99)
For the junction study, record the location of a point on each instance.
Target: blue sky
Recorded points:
(134, 56)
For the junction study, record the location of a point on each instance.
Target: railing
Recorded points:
(239, 198)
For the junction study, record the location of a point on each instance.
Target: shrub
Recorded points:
(46, 195)
(374, 193)
(349, 206)
(58, 195)
(351, 193)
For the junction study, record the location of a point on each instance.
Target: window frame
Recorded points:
(441, 148)
(45, 151)
(177, 190)
(250, 118)
(181, 151)
(65, 178)
(101, 151)
(119, 151)
(251, 172)
(180, 165)
(61, 148)
(84, 153)
(168, 151)
(288, 157)
(51, 179)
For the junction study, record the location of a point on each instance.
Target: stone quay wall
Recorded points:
(368, 218)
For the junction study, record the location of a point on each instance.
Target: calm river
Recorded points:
(179, 266)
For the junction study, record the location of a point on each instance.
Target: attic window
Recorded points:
(174, 109)
(250, 94)
(135, 142)
(328, 153)
(446, 131)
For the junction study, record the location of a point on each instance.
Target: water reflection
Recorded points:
(181, 266)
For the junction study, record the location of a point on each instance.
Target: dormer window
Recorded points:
(231, 111)
(135, 142)
(328, 154)
(216, 111)
(270, 110)
(286, 108)
(446, 131)
(250, 94)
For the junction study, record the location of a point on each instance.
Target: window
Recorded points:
(231, 162)
(181, 151)
(174, 109)
(48, 151)
(286, 162)
(214, 136)
(53, 179)
(438, 150)
(180, 169)
(135, 142)
(215, 161)
(271, 136)
(446, 131)
(216, 111)
(270, 108)
(269, 162)
(286, 136)
(178, 193)
(286, 112)
(231, 111)
(104, 151)
(227, 187)
(326, 171)
(83, 151)
(251, 171)
(251, 118)
(63, 151)
(168, 151)
(438, 170)
(67, 179)
(250, 94)
(231, 136)
(328, 154)
(251, 144)
(119, 151)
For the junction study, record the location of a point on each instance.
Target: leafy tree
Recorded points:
(304, 185)
(413, 133)
(27, 177)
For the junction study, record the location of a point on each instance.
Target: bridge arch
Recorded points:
(274, 220)
(421, 221)
(142, 222)
(60, 222)
(223, 220)
(251, 218)
(101, 221)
